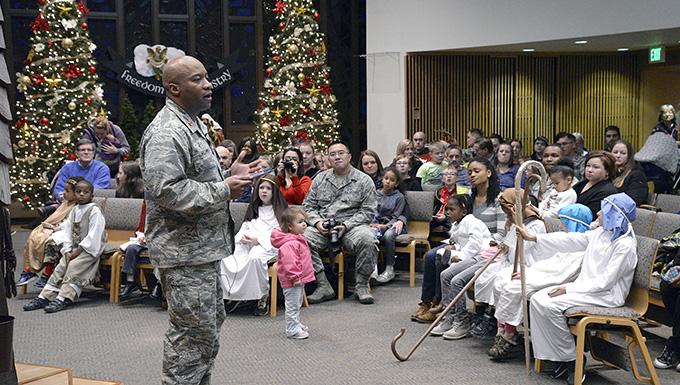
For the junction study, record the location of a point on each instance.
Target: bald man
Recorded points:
(420, 146)
(189, 229)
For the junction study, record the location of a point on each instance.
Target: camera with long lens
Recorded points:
(288, 165)
(333, 232)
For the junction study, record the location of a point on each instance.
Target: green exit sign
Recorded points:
(657, 55)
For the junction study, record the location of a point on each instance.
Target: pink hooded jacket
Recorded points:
(295, 259)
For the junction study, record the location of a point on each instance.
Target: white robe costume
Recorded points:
(502, 270)
(244, 273)
(605, 279)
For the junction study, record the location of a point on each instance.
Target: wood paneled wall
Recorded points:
(523, 96)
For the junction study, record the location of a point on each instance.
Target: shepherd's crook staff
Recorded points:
(519, 221)
(442, 314)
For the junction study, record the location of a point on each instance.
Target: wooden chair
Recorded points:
(419, 216)
(664, 225)
(274, 290)
(668, 203)
(587, 319)
(642, 225)
(339, 260)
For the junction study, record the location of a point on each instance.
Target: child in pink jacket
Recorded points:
(294, 266)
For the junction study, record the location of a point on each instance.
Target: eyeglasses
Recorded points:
(334, 154)
(401, 163)
(448, 174)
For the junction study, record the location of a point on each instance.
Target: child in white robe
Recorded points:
(84, 237)
(605, 279)
(562, 267)
(244, 273)
(471, 238)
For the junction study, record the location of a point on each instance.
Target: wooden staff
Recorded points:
(519, 252)
(441, 315)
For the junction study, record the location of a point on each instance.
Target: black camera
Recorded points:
(333, 232)
(288, 165)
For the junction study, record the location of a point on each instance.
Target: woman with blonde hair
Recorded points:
(406, 147)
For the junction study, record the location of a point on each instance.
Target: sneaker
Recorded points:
(374, 274)
(458, 331)
(301, 335)
(571, 377)
(37, 303)
(157, 292)
(304, 327)
(129, 288)
(386, 276)
(230, 306)
(42, 281)
(444, 326)
(475, 319)
(504, 347)
(27, 278)
(422, 309)
(560, 370)
(262, 306)
(667, 359)
(56, 306)
(485, 329)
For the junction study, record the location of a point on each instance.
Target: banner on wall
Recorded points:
(143, 73)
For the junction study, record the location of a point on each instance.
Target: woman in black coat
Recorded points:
(600, 171)
(630, 178)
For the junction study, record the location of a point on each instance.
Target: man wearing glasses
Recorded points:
(86, 166)
(347, 196)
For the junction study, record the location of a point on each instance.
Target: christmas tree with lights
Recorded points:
(297, 100)
(60, 94)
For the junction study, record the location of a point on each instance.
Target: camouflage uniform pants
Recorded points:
(360, 241)
(196, 313)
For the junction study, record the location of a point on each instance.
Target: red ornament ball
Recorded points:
(282, 26)
(305, 111)
(26, 198)
(272, 93)
(92, 69)
(303, 85)
(44, 121)
(269, 72)
(88, 100)
(84, 26)
(316, 16)
(41, 2)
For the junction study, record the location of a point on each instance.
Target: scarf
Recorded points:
(576, 217)
(618, 212)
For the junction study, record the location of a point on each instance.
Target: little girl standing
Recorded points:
(244, 273)
(294, 266)
(390, 219)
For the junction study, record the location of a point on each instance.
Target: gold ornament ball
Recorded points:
(25, 81)
(22, 143)
(266, 128)
(292, 49)
(301, 76)
(72, 106)
(67, 43)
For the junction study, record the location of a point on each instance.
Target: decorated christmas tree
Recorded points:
(297, 100)
(60, 94)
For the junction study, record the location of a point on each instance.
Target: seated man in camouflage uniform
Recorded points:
(348, 196)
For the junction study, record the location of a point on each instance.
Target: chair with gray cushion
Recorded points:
(643, 221)
(552, 225)
(431, 187)
(665, 224)
(420, 213)
(668, 203)
(104, 193)
(585, 320)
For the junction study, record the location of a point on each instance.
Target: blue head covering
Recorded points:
(618, 212)
(576, 217)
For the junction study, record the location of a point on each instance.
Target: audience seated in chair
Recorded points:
(86, 166)
(110, 143)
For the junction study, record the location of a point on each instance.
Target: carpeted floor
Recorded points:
(349, 343)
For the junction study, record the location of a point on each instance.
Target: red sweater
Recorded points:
(296, 192)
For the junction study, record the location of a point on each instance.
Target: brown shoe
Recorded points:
(424, 307)
(437, 309)
(427, 317)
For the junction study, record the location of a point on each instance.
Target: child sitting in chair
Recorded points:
(84, 240)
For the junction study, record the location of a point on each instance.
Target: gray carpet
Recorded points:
(349, 343)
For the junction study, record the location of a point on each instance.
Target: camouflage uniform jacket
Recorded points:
(351, 199)
(187, 199)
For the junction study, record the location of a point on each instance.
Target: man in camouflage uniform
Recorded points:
(188, 224)
(348, 196)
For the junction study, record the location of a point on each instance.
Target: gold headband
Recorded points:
(269, 180)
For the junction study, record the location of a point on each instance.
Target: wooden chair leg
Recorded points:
(412, 264)
(539, 365)
(304, 298)
(639, 340)
(114, 283)
(273, 291)
(341, 276)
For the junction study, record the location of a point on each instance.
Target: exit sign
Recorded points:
(657, 55)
